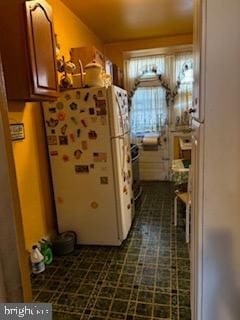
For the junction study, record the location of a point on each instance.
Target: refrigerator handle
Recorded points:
(122, 135)
(120, 113)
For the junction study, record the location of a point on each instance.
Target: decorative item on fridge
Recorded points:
(93, 75)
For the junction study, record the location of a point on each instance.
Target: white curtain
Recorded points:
(149, 112)
(183, 102)
(149, 109)
(135, 67)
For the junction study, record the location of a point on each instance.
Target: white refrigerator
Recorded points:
(89, 149)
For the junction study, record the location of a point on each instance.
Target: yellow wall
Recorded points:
(31, 154)
(71, 31)
(114, 51)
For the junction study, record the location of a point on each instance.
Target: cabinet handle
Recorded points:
(192, 110)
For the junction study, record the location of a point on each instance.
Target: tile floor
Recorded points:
(146, 278)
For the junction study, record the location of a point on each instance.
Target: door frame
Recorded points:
(14, 271)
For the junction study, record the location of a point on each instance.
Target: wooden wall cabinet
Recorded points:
(28, 50)
(86, 55)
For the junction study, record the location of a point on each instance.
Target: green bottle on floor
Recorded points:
(46, 251)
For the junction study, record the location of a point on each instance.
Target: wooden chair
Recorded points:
(185, 197)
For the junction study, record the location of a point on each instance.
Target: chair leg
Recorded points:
(187, 222)
(175, 211)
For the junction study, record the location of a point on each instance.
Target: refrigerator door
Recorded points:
(119, 113)
(80, 151)
(121, 158)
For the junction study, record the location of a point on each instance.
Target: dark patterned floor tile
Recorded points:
(184, 313)
(119, 306)
(123, 293)
(184, 300)
(107, 292)
(103, 304)
(86, 288)
(144, 309)
(161, 311)
(162, 298)
(80, 301)
(183, 284)
(140, 280)
(72, 287)
(45, 296)
(145, 296)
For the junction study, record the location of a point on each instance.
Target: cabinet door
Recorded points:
(41, 48)
(198, 59)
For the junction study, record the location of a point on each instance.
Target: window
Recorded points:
(149, 110)
(183, 100)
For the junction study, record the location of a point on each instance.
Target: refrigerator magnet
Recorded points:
(100, 93)
(65, 158)
(125, 190)
(63, 140)
(73, 119)
(104, 180)
(59, 105)
(67, 97)
(61, 116)
(100, 157)
(52, 140)
(81, 169)
(129, 206)
(94, 205)
(92, 135)
(84, 145)
(83, 122)
(72, 137)
(54, 153)
(52, 123)
(77, 154)
(52, 110)
(78, 94)
(86, 96)
(91, 111)
(78, 133)
(63, 129)
(73, 106)
(101, 107)
(92, 166)
(82, 110)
